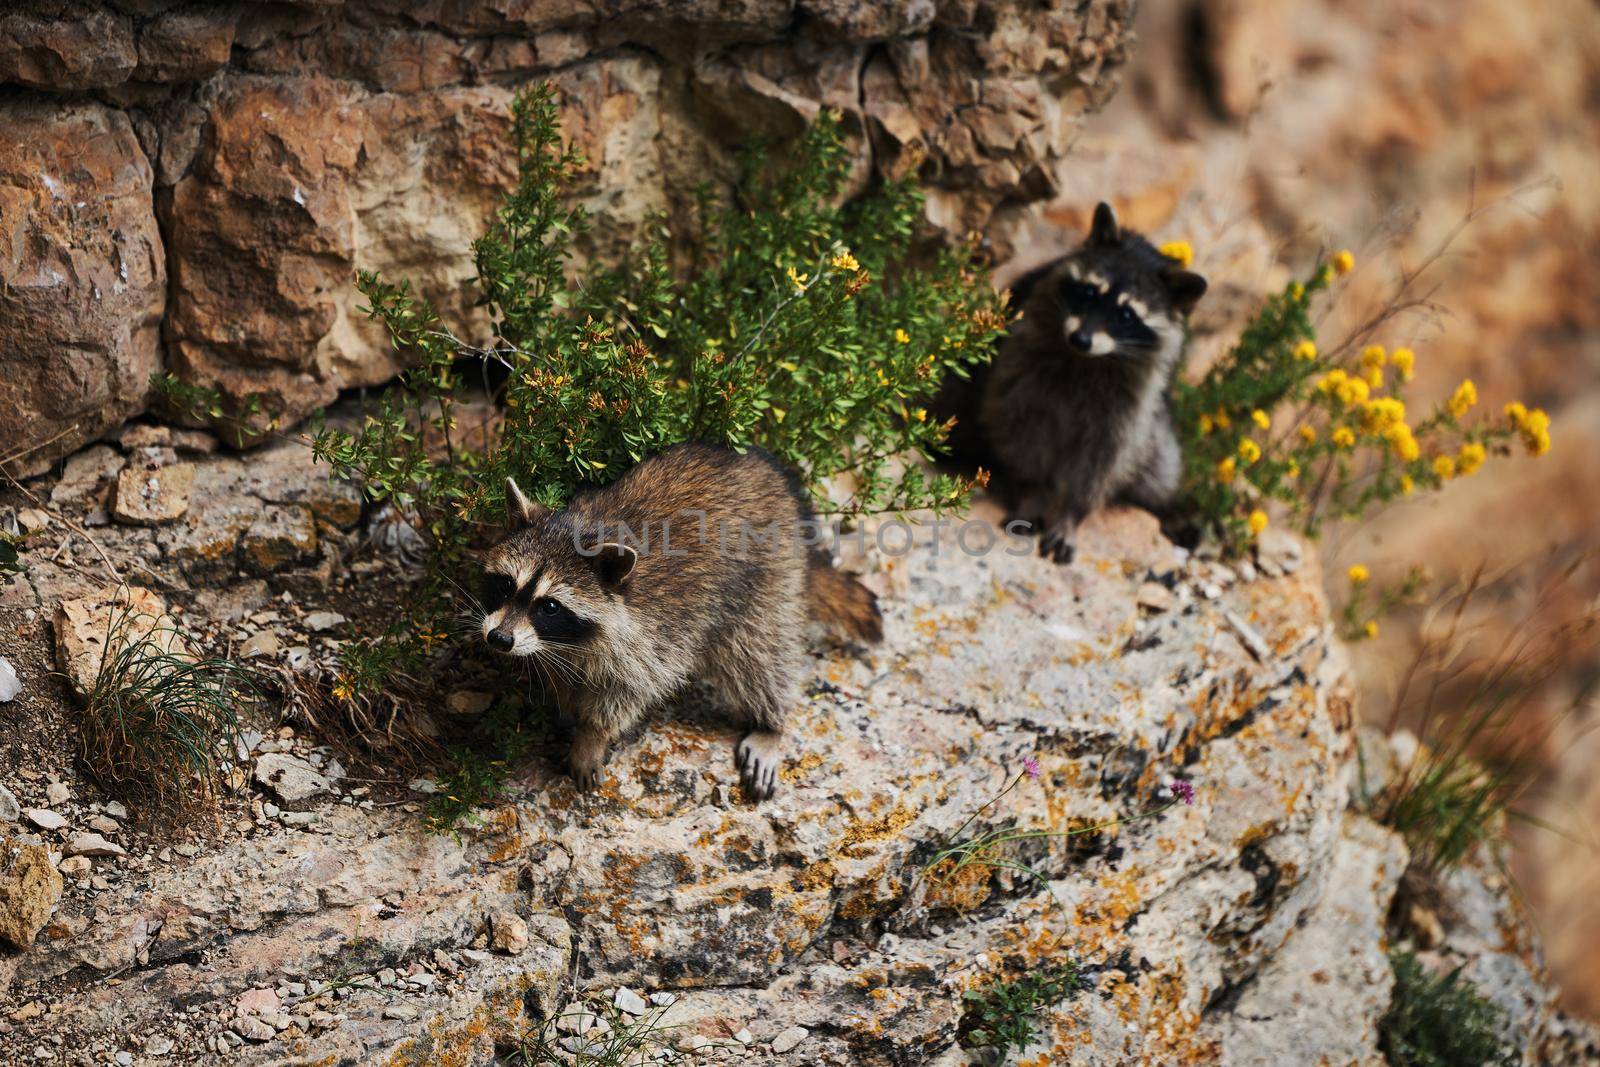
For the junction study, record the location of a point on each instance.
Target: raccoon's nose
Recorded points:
(500, 640)
(1080, 340)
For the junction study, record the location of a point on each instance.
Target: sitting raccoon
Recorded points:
(1075, 411)
(717, 588)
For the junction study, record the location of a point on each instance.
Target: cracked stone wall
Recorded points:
(192, 185)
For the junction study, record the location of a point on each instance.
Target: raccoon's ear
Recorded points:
(1185, 288)
(613, 563)
(518, 507)
(1104, 229)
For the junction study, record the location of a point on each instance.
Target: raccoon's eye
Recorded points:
(1076, 292)
(497, 588)
(548, 606)
(1126, 316)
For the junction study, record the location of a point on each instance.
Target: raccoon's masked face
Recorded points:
(540, 593)
(1099, 319)
(1118, 296)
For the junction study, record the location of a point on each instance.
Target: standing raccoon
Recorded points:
(1075, 409)
(693, 565)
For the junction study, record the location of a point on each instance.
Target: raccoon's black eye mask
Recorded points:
(497, 589)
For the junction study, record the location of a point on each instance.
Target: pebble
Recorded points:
(45, 819)
(629, 1001)
(663, 1000)
(402, 1012)
(100, 824)
(744, 1037)
(117, 811)
(158, 1045)
(324, 620)
(510, 934)
(580, 1021)
(76, 866)
(1153, 596)
(56, 793)
(10, 684)
(291, 779)
(10, 810)
(789, 1039)
(260, 643)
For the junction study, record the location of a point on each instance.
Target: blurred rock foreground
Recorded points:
(317, 922)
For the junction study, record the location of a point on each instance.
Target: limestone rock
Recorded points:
(291, 779)
(10, 810)
(45, 819)
(82, 267)
(153, 496)
(87, 627)
(86, 844)
(30, 886)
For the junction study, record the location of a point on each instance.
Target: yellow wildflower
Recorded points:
(1329, 383)
(1358, 574)
(1296, 290)
(1405, 361)
(1205, 425)
(1343, 437)
(1180, 251)
(1374, 377)
(901, 337)
(1444, 467)
(1353, 391)
(1517, 412)
(1370, 629)
(1222, 420)
(1258, 521)
(1464, 397)
(1401, 440)
(921, 414)
(797, 279)
(343, 690)
(1308, 434)
(1306, 350)
(845, 261)
(1261, 419)
(1536, 432)
(1373, 356)
(1343, 262)
(1292, 470)
(1406, 484)
(1471, 457)
(1383, 413)
(1249, 450)
(1225, 470)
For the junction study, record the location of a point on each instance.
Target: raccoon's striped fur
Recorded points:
(698, 564)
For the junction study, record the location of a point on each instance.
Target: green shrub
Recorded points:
(1326, 434)
(801, 325)
(1441, 1021)
(476, 772)
(1001, 1016)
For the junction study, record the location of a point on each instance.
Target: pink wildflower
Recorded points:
(1183, 790)
(1030, 767)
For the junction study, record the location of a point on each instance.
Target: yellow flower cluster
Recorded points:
(797, 279)
(1343, 437)
(1261, 419)
(1180, 251)
(1249, 451)
(1471, 457)
(1308, 434)
(1373, 358)
(845, 261)
(1463, 398)
(901, 337)
(1358, 574)
(1444, 467)
(1343, 262)
(1226, 470)
(1343, 388)
(1534, 426)
(1370, 629)
(1405, 361)
(1306, 350)
(1258, 521)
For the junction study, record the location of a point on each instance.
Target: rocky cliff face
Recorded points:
(316, 921)
(1264, 131)
(192, 186)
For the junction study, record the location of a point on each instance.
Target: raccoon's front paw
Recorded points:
(586, 776)
(1059, 545)
(758, 757)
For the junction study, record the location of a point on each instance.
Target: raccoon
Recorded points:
(1075, 409)
(696, 564)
